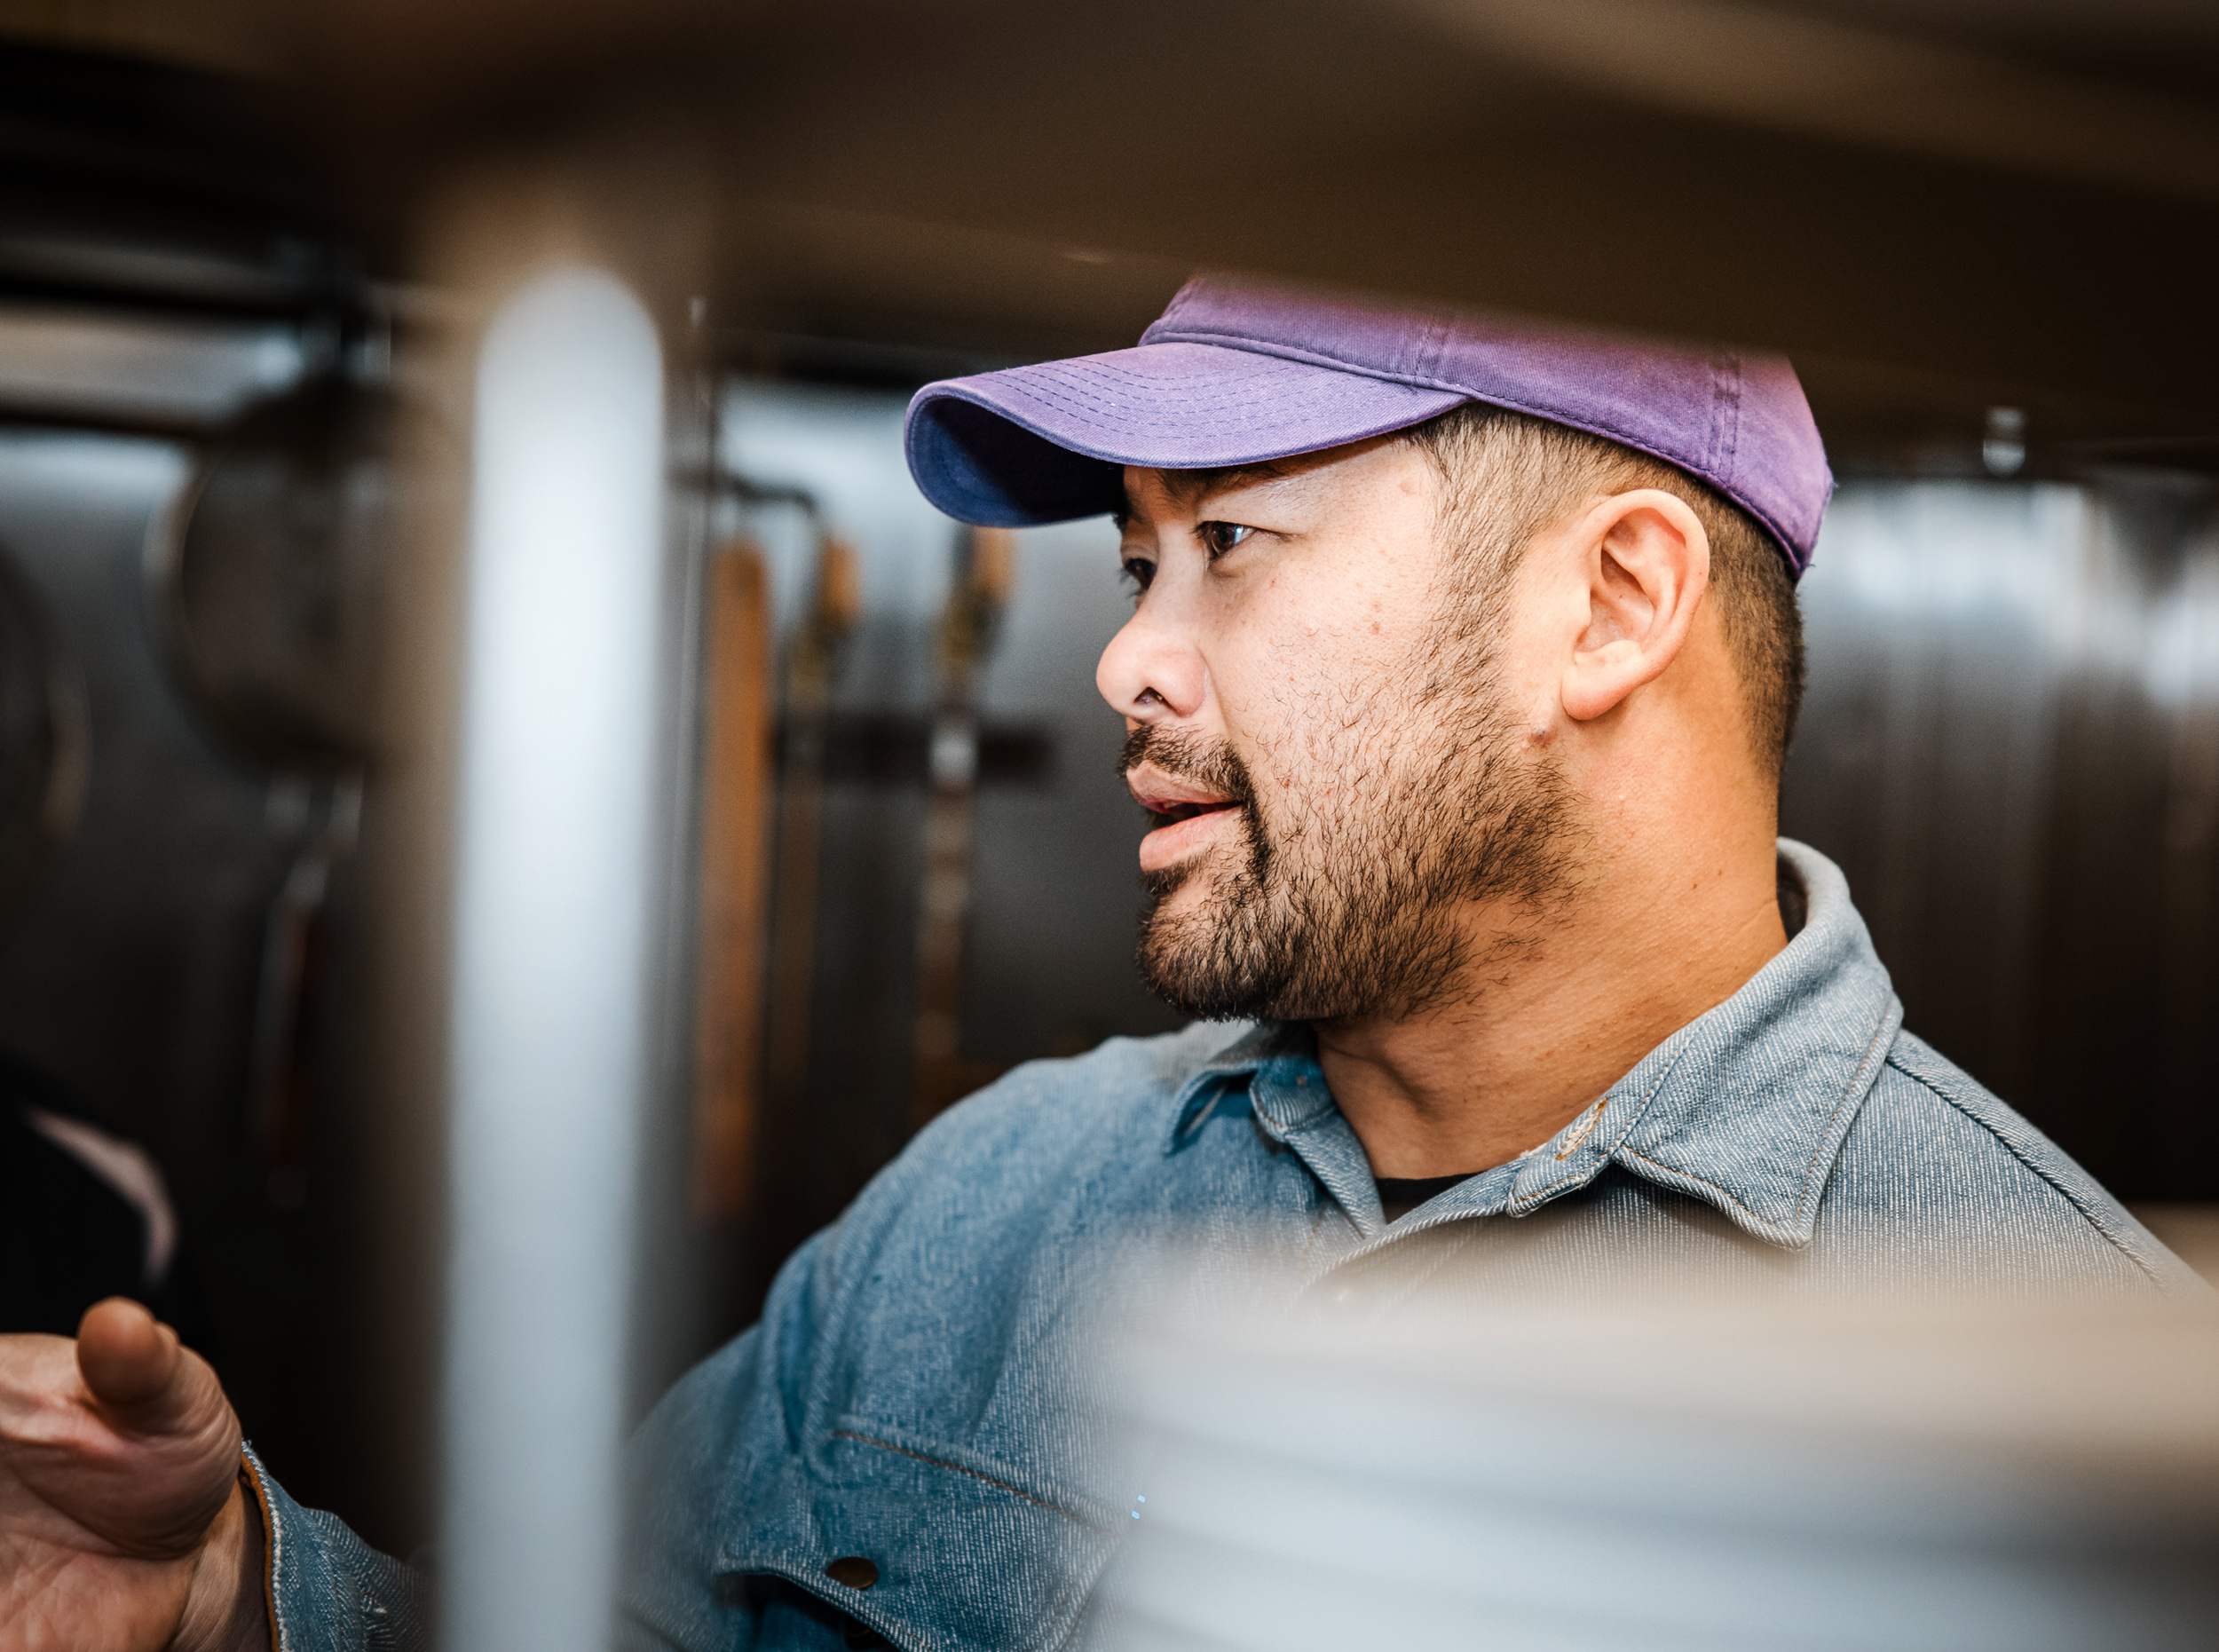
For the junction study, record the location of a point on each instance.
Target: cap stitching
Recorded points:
(1075, 400)
(1074, 405)
(1555, 415)
(1425, 348)
(1090, 414)
(1290, 352)
(1726, 421)
(1071, 392)
(1091, 407)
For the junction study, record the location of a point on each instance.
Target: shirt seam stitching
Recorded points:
(1309, 1118)
(273, 1553)
(1640, 1112)
(1183, 1126)
(1526, 1204)
(941, 1462)
(1704, 1181)
(2010, 1147)
(1208, 1086)
(1891, 1027)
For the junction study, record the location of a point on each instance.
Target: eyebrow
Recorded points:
(1188, 488)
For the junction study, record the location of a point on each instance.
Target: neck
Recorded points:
(1552, 1012)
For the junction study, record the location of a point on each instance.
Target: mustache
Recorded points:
(1213, 765)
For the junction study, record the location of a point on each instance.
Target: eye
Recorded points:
(1220, 537)
(1138, 574)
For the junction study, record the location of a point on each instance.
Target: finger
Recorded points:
(128, 1359)
(135, 1446)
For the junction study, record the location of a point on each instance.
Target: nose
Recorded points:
(1151, 672)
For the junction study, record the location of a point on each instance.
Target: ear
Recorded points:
(1648, 564)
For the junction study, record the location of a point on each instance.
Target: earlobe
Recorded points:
(1648, 563)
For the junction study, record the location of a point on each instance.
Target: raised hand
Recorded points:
(122, 1524)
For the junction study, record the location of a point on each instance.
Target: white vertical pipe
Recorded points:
(554, 892)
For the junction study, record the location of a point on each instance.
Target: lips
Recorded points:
(1186, 814)
(1173, 813)
(1172, 798)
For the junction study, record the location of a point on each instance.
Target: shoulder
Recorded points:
(999, 1218)
(1039, 1114)
(1052, 1147)
(1934, 1155)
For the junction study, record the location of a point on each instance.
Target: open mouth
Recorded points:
(1171, 812)
(1180, 810)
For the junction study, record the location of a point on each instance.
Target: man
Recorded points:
(1463, 663)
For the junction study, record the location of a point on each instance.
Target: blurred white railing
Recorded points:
(553, 904)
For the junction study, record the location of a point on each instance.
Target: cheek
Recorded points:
(1529, 675)
(1317, 718)
(1347, 641)
(1318, 670)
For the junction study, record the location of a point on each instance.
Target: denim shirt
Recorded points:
(908, 1397)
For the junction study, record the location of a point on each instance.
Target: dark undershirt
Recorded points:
(1400, 1195)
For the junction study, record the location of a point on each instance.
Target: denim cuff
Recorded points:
(328, 1590)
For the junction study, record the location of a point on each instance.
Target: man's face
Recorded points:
(1329, 715)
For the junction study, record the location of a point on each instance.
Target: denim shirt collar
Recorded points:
(1745, 1107)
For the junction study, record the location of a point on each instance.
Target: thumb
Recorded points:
(130, 1362)
(178, 1439)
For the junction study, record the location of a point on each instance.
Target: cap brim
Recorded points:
(1050, 443)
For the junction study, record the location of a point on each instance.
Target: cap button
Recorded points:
(853, 1570)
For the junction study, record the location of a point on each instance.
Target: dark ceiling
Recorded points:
(1933, 205)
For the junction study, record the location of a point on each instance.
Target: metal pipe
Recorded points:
(551, 1036)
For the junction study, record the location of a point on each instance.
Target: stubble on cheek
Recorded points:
(1226, 932)
(1387, 810)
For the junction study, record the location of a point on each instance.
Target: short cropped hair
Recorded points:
(1508, 476)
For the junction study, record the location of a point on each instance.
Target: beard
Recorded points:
(1345, 905)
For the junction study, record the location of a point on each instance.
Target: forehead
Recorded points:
(1152, 493)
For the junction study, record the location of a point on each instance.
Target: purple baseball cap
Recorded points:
(1237, 372)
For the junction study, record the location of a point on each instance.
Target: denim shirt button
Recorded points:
(853, 1570)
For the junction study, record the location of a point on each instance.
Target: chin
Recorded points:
(1184, 960)
(1179, 892)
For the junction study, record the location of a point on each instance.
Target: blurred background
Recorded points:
(235, 247)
